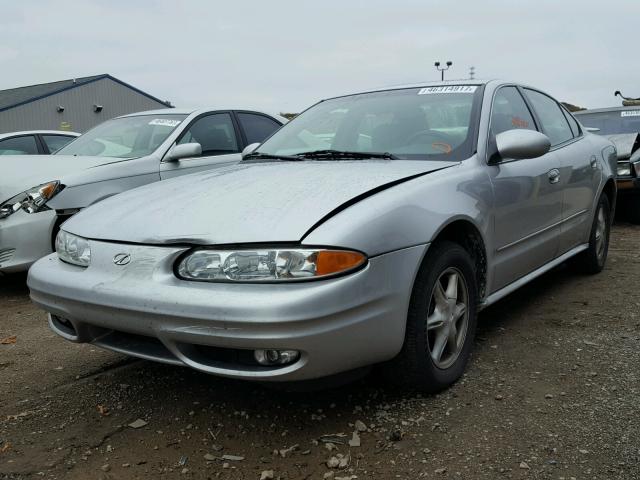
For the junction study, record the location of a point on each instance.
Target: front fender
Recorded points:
(412, 213)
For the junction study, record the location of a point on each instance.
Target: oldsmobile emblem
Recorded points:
(122, 259)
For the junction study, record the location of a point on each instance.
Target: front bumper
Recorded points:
(142, 309)
(24, 238)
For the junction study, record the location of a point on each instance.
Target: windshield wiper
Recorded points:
(268, 156)
(337, 154)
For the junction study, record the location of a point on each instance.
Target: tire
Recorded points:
(417, 365)
(633, 209)
(592, 260)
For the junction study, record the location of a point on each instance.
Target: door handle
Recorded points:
(593, 162)
(554, 175)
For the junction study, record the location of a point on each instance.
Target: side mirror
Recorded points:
(185, 150)
(249, 149)
(520, 144)
(592, 129)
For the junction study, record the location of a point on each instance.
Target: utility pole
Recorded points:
(442, 70)
(472, 73)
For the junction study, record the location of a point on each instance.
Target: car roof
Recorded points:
(460, 81)
(607, 109)
(198, 111)
(41, 132)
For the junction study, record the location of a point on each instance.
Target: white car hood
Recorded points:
(243, 203)
(626, 144)
(21, 172)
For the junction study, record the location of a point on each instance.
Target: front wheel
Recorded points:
(441, 321)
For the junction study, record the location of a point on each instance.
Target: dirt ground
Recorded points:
(552, 391)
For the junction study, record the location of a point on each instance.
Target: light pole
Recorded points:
(441, 70)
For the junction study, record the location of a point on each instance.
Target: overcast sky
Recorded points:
(285, 55)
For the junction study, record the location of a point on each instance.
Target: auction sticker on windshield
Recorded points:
(165, 122)
(448, 89)
(630, 113)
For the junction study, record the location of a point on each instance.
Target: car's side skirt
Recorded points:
(503, 292)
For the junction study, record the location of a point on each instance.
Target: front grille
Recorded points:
(6, 254)
(132, 344)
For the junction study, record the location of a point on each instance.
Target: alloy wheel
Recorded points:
(601, 233)
(448, 318)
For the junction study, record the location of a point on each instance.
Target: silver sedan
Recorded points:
(369, 230)
(38, 193)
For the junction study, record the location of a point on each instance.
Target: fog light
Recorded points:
(276, 357)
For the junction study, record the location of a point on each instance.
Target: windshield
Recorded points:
(433, 123)
(609, 123)
(126, 137)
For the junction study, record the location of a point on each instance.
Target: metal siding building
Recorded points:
(38, 106)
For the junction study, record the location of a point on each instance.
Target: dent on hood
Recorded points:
(367, 194)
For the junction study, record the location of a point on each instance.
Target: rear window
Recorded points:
(609, 123)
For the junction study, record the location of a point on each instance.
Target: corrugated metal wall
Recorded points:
(78, 102)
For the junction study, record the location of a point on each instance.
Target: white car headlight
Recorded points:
(73, 249)
(624, 169)
(267, 265)
(32, 200)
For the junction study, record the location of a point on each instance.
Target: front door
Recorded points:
(528, 198)
(220, 146)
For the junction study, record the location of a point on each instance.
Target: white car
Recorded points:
(34, 142)
(38, 193)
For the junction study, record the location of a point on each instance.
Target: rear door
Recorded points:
(528, 200)
(579, 175)
(218, 136)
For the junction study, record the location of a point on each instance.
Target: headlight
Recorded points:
(267, 265)
(73, 249)
(32, 200)
(624, 169)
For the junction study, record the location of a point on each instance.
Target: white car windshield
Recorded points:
(434, 123)
(126, 137)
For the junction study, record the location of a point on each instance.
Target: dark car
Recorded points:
(622, 126)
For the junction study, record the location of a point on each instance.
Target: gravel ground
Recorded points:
(551, 392)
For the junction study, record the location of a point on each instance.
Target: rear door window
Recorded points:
(23, 145)
(554, 123)
(257, 127)
(55, 142)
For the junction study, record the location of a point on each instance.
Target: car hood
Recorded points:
(21, 172)
(242, 203)
(626, 144)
